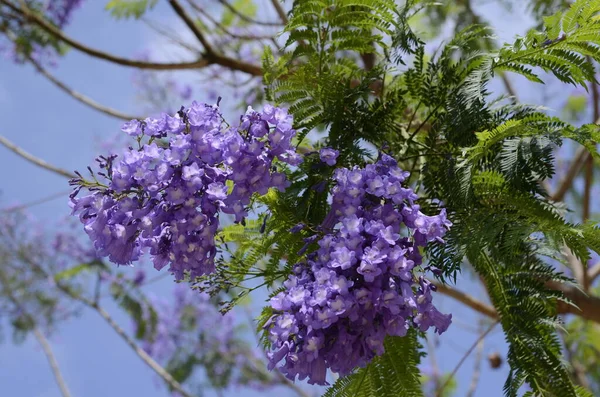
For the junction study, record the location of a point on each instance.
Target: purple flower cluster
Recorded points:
(60, 11)
(165, 196)
(361, 284)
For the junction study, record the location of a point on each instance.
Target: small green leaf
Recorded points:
(124, 9)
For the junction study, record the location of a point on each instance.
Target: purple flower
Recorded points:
(360, 284)
(166, 199)
(132, 128)
(329, 156)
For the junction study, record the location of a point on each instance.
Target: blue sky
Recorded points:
(51, 125)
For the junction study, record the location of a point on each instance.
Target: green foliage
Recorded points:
(564, 48)
(395, 373)
(137, 307)
(28, 38)
(244, 7)
(358, 71)
(75, 271)
(124, 9)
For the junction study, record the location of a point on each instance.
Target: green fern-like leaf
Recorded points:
(395, 373)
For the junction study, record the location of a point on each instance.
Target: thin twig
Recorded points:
(593, 273)
(280, 11)
(477, 369)
(464, 357)
(160, 371)
(35, 160)
(60, 381)
(80, 97)
(508, 86)
(435, 369)
(147, 359)
(220, 26)
(589, 163)
(42, 200)
(466, 299)
(580, 157)
(197, 64)
(154, 25)
(180, 11)
(246, 18)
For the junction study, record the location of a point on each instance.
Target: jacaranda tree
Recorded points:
(364, 173)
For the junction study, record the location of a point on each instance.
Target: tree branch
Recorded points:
(60, 381)
(586, 306)
(464, 357)
(80, 97)
(32, 159)
(245, 17)
(145, 357)
(222, 28)
(477, 369)
(593, 273)
(160, 371)
(466, 299)
(508, 86)
(42, 200)
(580, 157)
(280, 11)
(200, 63)
(180, 11)
(589, 163)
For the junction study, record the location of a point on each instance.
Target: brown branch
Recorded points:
(593, 273)
(80, 97)
(581, 157)
(168, 34)
(145, 357)
(34, 160)
(586, 306)
(508, 86)
(180, 11)
(589, 163)
(575, 264)
(246, 18)
(466, 299)
(197, 64)
(280, 11)
(222, 28)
